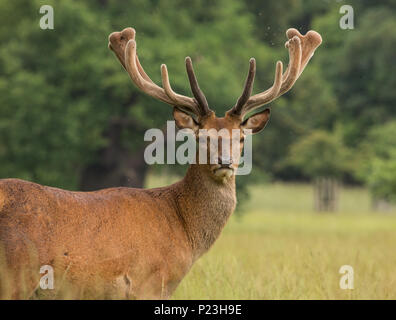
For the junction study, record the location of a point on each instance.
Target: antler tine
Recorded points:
(178, 99)
(266, 96)
(301, 49)
(141, 71)
(118, 41)
(150, 87)
(117, 44)
(247, 91)
(281, 84)
(197, 92)
(309, 43)
(293, 69)
(133, 71)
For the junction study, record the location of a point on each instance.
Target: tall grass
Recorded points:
(281, 249)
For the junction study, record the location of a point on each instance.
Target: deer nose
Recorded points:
(225, 161)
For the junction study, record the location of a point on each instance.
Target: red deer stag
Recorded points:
(139, 242)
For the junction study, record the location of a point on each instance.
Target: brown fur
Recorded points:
(149, 236)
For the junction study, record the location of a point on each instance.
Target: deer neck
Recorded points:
(204, 206)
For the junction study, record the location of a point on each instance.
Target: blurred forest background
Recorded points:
(71, 118)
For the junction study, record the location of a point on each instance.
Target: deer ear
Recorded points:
(184, 120)
(257, 121)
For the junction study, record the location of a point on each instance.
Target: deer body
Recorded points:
(108, 234)
(140, 243)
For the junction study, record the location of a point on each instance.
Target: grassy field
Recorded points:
(281, 249)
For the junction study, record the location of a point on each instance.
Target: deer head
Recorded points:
(195, 114)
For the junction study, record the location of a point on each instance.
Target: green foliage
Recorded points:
(378, 169)
(381, 178)
(49, 92)
(320, 154)
(362, 69)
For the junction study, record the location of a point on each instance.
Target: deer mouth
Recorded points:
(223, 171)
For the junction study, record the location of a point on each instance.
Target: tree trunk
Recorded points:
(115, 166)
(382, 205)
(325, 194)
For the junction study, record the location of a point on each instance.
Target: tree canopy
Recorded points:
(70, 117)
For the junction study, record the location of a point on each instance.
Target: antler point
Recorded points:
(131, 43)
(314, 36)
(290, 33)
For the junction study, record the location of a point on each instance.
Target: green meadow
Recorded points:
(279, 248)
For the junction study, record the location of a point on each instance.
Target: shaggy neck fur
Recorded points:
(204, 206)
